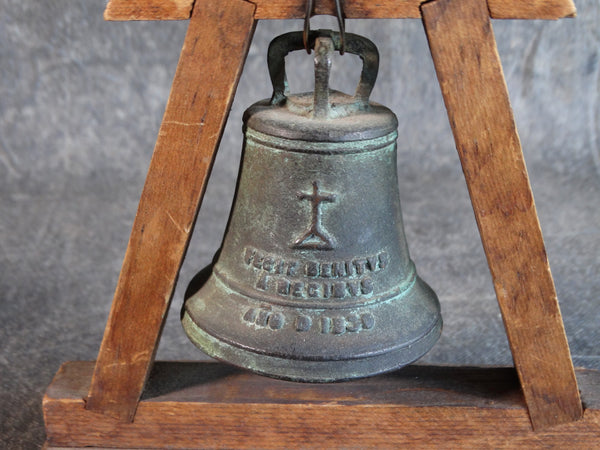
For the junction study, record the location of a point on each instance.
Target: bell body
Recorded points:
(314, 281)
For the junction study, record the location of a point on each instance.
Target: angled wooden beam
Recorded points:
(468, 68)
(354, 9)
(192, 126)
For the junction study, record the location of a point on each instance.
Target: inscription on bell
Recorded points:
(314, 280)
(316, 237)
(316, 290)
(302, 323)
(351, 323)
(265, 318)
(354, 267)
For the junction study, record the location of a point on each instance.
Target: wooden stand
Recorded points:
(220, 407)
(200, 405)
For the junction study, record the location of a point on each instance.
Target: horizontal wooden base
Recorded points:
(205, 404)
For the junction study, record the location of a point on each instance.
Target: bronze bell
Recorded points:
(313, 281)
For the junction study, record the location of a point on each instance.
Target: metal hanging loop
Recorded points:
(356, 45)
(341, 18)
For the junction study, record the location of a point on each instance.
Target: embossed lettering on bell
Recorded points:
(314, 281)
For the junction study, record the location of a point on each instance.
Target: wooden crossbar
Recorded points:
(357, 9)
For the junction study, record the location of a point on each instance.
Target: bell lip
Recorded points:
(313, 371)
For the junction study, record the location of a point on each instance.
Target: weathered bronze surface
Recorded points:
(314, 281)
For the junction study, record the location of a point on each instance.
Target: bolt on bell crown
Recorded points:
(314, 281)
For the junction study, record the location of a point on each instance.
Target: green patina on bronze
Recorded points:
(314, 281)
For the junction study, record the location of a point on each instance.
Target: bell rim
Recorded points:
(311, 370)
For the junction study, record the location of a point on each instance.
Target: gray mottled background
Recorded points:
(80, 106)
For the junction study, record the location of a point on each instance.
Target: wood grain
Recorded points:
(468, 68)
(210, 405)
(196, 112)
(531, 9)
(148, 9)
(357, 9)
